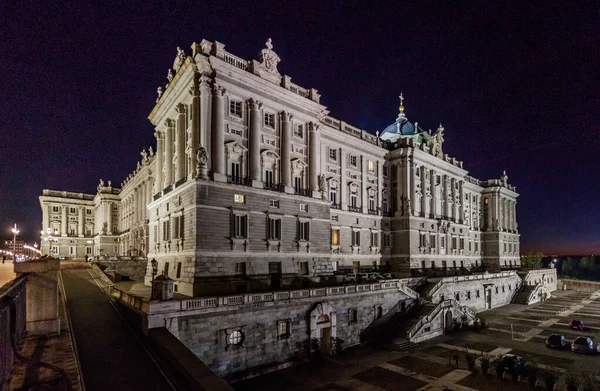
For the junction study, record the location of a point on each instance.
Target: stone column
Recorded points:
(46, 218)
(205, 136)
(168, 145)
(462, 203)
(194, 131)
(364, 204)
(148, 197)
(63, 222)
(313, 157)
(515, 216)
(343, 185)
(160, 149)
(286, 145)
(423, 192)
(180, 143)
(399, 189)
(380, 186)
(218, 137)
(109, 218)
(254, 142)
(413, 192)
(81, 222)
(446, 212)
(433, 210)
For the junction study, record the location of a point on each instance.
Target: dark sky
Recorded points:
(515, 84)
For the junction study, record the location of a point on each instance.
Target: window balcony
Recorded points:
(274, 186)
(302, 192)
(354, 209)
(335, 206)
(374, 212)
(238, 180)
(388, 213)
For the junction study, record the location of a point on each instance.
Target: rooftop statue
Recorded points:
(438, 140)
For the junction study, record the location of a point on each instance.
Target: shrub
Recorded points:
(337, 344)
(550, 380)
(572, 380)
(485, 365)
(470, 361)
(532, 373)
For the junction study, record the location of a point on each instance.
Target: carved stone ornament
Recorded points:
(438, 140)
(101, 185)
(104, 228)
(159, 91)
(144, 155)
(170, 75)
(268, 58)
(151, 151)
(181, 56)
(201, 157)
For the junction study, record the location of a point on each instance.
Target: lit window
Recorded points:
(335, 237)
(371, 166)
(235, 108)
(239, 198)
(283, 329)
(352, 315)
(270, 120)
(236, 337)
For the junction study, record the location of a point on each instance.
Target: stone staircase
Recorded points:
(423, 290)
(523, 296)
(414, 318)
(398, 345)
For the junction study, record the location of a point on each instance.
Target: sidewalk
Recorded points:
(6, 272)
(57, 350)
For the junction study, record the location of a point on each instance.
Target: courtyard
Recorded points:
(432, 365)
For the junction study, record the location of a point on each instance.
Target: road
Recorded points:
(111, 356)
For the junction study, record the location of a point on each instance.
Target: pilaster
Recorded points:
(218, 137)
(254, 142)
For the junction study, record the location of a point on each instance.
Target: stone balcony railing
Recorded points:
(472, 277)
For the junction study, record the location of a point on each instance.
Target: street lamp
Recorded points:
(15, 232)
(154, 270)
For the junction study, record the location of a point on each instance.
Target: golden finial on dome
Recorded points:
(401, 108)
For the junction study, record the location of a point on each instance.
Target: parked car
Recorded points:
(388, 276)
(576, 325)
(513, 364)
(556, 341)
(375, 276)
(364, 278)
(582, 345)
(350, 278)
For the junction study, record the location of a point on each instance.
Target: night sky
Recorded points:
(514, 84)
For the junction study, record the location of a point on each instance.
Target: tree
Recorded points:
(532, 260)
(568, 266)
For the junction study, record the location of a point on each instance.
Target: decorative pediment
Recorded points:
(269, 155)
(298, 164)
(234, 147)
(352, 184)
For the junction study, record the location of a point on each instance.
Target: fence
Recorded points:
(12, 324)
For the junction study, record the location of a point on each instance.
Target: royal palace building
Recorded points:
(252, 186)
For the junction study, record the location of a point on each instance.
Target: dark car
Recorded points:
(582, 345)
(576, 324)
(513, 364)
(556, 341)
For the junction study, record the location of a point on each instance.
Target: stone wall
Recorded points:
(547, 277)
(134, 268)
(263, 347)
(479, 291)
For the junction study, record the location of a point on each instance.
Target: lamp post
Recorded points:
(154, 270)
(15, 232)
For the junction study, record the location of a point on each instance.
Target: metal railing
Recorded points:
(354, 209)
(274, 186)
(12, 324)
(302, 191)
(238, 180)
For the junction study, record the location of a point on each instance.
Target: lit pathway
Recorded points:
(111, 356)
(6, 272)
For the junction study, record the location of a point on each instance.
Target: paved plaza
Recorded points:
(516, 329)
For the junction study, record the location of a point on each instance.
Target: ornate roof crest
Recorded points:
(268, 58)
(181, 56)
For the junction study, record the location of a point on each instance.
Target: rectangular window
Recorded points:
(283, 329)
(454, 243)
(239, 198)
(303, 207)
(432, 240)
(384, 205)
(55, 209)
(468, 295)
(335, 237)
(178, 272)
(237, 132)
(470, 245)
(385, 171)
(374, 239)
(274, 229)
(353, 160)
(438, 180)
(72, 210)
(442, 242)
(270, 120)
(387, 240)
(333, 154)
(334, 218)
(353, 198)
(304, 268)
(462, 243)
(333, 194)
(72, 231)
(72, 250)
(504, 246)
(356, 238)
(177, 227)
(235, 172)
(240, 223)
(240, 268)
(166, 230)
(88, 211)
(304, 234)
(166, 269)
(298, 131)
(372, 202)
(371, 166)
(235, 108)
(477, 294)
(476, 246)
(268, 177)
(297, 183)
(352, 315)
(274, 203)
(88, 251)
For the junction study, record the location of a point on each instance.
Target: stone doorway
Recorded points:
(322, 321)
(488, 298)
(448, 324)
